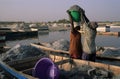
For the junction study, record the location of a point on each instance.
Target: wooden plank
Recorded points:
(24, 63)
(79, 62)
(67, 53)
(108, 58)
(100, 65)
(49, 49)
(115, 69)
(14, 73)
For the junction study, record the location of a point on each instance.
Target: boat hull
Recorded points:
(60, 58)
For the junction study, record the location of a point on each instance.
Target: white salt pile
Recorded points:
(61, 44)
(111, 53)
(19, 52)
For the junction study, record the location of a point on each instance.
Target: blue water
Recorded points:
(110, 41)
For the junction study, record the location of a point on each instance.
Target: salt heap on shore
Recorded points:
(60, 44)
(111, 52)
(19, 52)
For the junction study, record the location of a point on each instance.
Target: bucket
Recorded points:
(75, 16)
(46, 69)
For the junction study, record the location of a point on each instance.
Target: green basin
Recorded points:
(75, 16)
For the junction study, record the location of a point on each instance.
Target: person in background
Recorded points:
(89, 46)
(75, 49)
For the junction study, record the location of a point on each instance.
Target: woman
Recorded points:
(75, 49)
(89, 46)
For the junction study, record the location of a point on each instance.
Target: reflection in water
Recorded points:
(53, 36)
(43, 33)
(111, 41)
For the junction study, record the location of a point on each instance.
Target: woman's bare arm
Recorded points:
(71, 21)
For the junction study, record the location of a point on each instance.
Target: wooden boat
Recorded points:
(100, 51)
(109, 33)
(22, 69)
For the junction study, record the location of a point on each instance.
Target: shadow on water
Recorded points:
(43, 33)
(20, 35)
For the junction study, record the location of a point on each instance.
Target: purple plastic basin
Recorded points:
(46, 69)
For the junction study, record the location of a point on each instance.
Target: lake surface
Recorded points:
(101, 40)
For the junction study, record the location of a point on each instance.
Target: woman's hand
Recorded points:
(71, 20)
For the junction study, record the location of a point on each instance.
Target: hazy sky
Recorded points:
(50, 10)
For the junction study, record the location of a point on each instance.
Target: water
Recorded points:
(101, 40)
(108, 41)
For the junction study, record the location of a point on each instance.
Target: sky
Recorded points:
(51, 10)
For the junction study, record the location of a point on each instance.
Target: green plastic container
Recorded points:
(75, 16)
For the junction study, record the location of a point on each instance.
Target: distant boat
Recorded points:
(103, 29)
